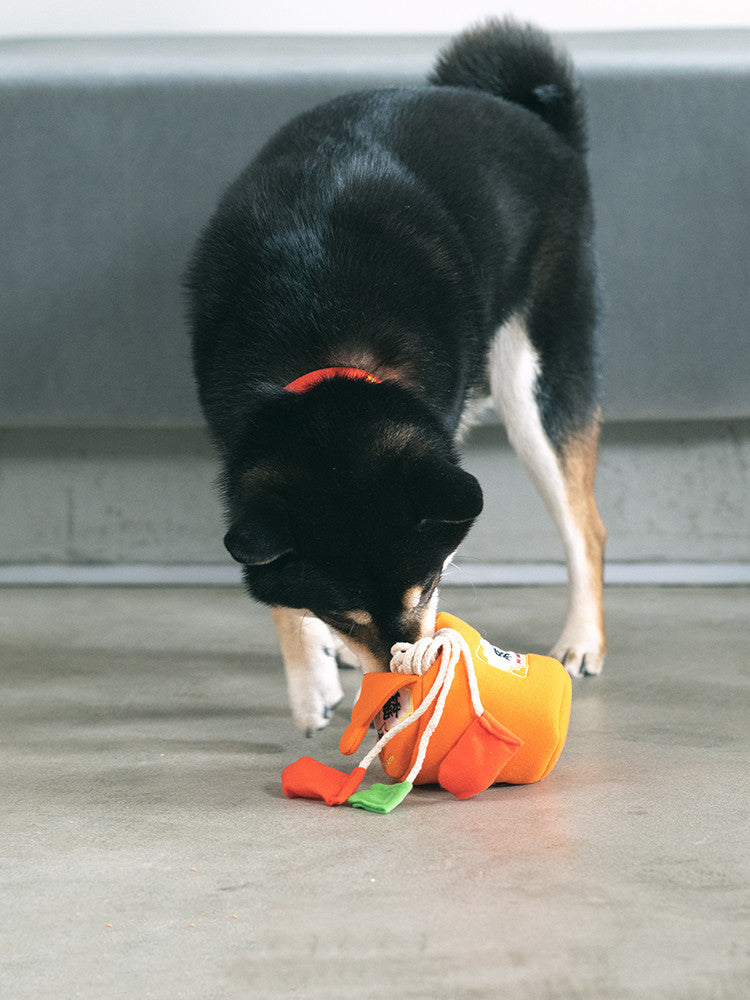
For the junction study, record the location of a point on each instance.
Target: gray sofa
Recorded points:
(114, 151)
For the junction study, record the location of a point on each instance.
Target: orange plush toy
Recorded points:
(454, 710)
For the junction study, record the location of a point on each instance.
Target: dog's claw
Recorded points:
(314, 717)
(578, 660)
(310, 726)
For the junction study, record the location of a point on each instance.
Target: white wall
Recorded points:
(70, 17)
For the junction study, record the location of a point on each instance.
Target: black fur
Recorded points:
(521, 65)
(391, 230)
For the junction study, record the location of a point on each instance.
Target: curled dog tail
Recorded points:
(521, 64)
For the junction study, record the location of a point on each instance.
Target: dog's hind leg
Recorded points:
(311, 667)
(563, 472)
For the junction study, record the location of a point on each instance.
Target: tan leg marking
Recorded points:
(587, 570)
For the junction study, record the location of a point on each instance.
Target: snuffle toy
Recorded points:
(454, 710)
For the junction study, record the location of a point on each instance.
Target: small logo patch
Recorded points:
(512, 663)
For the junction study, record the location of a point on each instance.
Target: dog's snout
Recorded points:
(400, 628)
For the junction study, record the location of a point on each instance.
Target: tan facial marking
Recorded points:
(412, 597)
(360, 617)
(420, 608)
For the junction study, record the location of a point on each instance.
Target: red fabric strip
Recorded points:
(307, 778)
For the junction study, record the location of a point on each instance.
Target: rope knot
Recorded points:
(416, 657)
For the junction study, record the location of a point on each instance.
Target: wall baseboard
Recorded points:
(667, 574)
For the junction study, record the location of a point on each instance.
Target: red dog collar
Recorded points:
(305, 382)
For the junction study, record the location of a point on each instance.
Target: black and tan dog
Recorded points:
(388, 259)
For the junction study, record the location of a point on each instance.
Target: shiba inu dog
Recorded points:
(388, 259)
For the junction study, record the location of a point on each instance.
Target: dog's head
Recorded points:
(347, 501)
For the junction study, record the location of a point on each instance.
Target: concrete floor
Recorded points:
(147, 851)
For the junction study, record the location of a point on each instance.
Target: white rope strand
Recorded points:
(455, 652)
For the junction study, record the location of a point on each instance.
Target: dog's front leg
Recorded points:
(311, 667)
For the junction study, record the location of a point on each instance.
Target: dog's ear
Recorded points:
(260, 536)
(444, 492)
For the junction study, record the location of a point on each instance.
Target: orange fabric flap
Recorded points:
(476, 760)
(376, 690)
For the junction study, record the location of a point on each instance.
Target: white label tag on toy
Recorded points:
(399, 706)
(512, 663)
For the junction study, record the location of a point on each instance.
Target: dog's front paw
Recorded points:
(314, 692)
(312, 673)
(581, 652)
